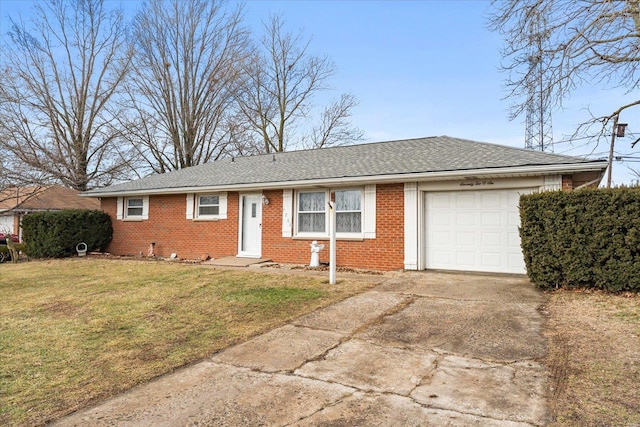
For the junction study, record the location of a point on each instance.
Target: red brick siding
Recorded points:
(385, 252)
(172, 232)
(168, 227)
(567, 182)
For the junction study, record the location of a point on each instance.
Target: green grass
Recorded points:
(75, 331)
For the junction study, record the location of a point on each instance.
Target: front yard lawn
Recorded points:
(75, 331)
(594, 358)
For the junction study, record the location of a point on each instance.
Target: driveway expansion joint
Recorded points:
(408, 356)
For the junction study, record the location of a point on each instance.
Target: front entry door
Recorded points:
(250, 239)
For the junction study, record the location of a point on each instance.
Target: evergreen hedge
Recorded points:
(56, 234)
(582, 239)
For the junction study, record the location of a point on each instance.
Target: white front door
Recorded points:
(250, 227)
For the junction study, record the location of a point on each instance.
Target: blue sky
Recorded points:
(421, 68)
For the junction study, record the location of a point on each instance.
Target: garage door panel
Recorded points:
(465, 258)
(514, 196)
(513, 219)
(440, 201)
(516, 260)
(491, 259)
(513, 239)
(441, 218)
(463, 239)
(465, 218)
(443, 258)
(441, 239)
(465, 201)
(490, 239)
(474, 230)
(491, 218)
(490, 200)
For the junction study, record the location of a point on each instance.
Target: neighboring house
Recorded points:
(428, 203)
(15, 202)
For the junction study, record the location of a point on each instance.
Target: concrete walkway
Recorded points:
(234, 261)
(420, 349)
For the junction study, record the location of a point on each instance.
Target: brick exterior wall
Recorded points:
(168, 227)
(385, 252)
(567, 182)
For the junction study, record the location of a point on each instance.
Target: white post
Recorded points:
(332, 237)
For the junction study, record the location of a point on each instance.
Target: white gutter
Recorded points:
(402, 177)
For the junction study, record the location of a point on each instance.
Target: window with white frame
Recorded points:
(313, 212)
(349, 211)
(134, 207)
(208, 206)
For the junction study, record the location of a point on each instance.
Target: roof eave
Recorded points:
(527, 170)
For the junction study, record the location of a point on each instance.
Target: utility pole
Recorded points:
(617, 130)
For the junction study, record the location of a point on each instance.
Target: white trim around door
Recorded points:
(250, 226)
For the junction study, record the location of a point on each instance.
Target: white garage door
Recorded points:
(474, 230)
(6, 223)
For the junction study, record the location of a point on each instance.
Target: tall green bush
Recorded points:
(582, 239)
(56, 234)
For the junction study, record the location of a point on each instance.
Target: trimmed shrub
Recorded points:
(582, 239)
(55, 234)
(4, 251)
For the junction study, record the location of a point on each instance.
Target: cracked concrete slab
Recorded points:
(283, 349)
(352, 313)
(464, 286)
(373, 410)
(213, 394)
(482, 329)
(428, 349)
(510, 392)
(371, 367)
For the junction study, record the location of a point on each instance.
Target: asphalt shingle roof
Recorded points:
(421, 155)
(52, 197)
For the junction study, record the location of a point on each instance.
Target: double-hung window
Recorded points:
(349, 211)
(312, 217)
(313, 212)
(134, 208)
(208, 206)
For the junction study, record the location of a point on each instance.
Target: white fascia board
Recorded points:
(373, 179)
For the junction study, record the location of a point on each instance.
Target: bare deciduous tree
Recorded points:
(62, 75)
(281, 82)
(334, 128)
(587, 42)
(186, 68)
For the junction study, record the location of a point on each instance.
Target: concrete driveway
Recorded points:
(420, 349)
